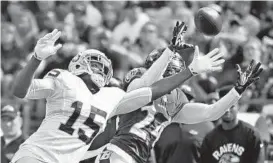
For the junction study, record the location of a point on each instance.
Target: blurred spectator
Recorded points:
(11, 123)
(223, 143)
(62, 9)
(12, 53)
(110, 16)
(181, 143)
(252, 50)
(81, 26)
(87, 12)
(46, 17)
(25, 23)
(129, 30)
(148, 41)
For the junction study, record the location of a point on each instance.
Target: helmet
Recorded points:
(177, 64)
(94, 63)
(133, 74)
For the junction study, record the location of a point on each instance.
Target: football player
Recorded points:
(139, 130)
(77, 105)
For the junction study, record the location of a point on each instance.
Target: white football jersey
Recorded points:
(74, 116)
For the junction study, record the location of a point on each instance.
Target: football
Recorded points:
(208, 21)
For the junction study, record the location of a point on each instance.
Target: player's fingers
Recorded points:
(258, 73)
(56, 36)
(213, 52)
(57, 47)
(50, 35)
(177, 23)
(253, 80)
(185, 29)
(249, 68)
(238, 68)
(257, 67)
(54, 32)
(239, 71)
(218, 62)
(188, 46)
(217, 56)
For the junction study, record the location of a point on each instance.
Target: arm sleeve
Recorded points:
(41, 88)
(132, 101)
(154, 73)
(187, 113)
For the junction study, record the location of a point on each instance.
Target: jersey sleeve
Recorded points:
(132, 101)
(43, 88)
(154, 73)
(187, 112)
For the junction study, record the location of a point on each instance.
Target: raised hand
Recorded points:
(177, 40)
(45, 46)
(207, 63)
(247, 77)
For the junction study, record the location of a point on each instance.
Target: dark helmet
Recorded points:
(176, 65)
(131, 75)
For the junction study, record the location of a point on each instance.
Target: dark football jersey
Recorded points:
(241, 144)
(139, 130)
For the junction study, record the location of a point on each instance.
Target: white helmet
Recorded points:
(95, 63)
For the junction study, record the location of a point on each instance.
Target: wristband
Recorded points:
(37, 57)
(192, 71)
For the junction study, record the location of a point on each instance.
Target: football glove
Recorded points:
(249, 76)
(177, 43)
(207, 63)
(45, 46)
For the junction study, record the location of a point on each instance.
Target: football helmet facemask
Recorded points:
(94, 63)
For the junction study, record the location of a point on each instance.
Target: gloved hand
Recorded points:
(249, 76)
(177, 43)
(45, 46)
(207, 63)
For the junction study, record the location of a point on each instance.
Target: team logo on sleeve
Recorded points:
(136, 72)
(76, 58)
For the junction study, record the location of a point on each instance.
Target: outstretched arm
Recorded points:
(155, 72)
(24, 78)
(134, 100)
(188, 113)
(140, 97)
(43, 49)
(192, 113)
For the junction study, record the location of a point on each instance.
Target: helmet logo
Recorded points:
(132, 74)
(76, 58)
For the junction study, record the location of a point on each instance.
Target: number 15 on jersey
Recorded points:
(67, 127)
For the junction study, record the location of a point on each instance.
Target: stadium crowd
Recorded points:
(127, 32)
